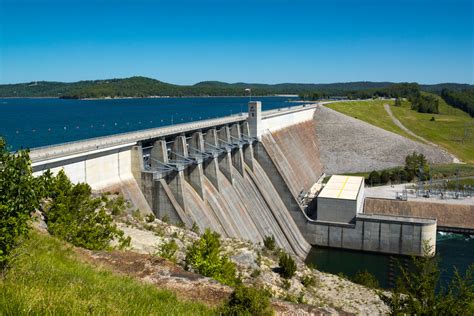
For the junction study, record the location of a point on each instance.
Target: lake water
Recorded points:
(32, 123)
(453, 250)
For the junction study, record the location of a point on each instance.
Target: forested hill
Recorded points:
(145, 87)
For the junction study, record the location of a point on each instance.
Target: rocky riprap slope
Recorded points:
(329, 294)
(351, 145)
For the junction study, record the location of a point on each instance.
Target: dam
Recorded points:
(247, 176)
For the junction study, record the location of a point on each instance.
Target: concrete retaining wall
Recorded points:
(277, 120)
(107, 169)
(385, 234)
(447, 215)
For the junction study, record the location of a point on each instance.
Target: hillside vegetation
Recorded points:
(463, 99)
(145, 87)
(48, 278)
(451, 129)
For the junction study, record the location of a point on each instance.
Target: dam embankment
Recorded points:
(351, 145)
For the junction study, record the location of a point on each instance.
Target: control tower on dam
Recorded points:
(248, 176)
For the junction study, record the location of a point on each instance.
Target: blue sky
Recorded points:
(185, 42)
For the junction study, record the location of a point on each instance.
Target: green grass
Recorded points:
(47, 277)
(448, 130)
(371, 111)
(450, 170)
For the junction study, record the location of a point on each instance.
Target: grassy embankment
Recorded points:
(452, 129)
(48, 277)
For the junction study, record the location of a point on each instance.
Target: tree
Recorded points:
(18, 197)
(247, 301)
(384, 177)
(76, 217)
(287, 265)
(374, 178)
(204, 256)
(416, 290)
(398, 102)
(417, 165)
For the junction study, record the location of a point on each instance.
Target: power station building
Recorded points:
(341, 199)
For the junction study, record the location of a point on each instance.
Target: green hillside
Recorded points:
(451, 129)
(145, 87)
(48, 278)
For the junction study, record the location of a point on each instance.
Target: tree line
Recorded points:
(463, 99)
(145, 87)
(398, 90)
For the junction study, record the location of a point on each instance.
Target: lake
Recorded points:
(28, 123)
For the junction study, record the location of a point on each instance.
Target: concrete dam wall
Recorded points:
(247, 176)
(213, 179)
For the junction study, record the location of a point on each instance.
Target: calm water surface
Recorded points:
(39, 122)
(454, 250)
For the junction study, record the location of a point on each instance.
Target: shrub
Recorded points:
(19, 195)
(76, 217)
(204, 256)
(300, 299)
(367, 279)
(117, 206)
(247, 301)
(418, 290)
(255, 273)
(384, 177)
(286, 284)
(150, 218)
(137, 215)
(269, 242)
(308, 280)
(287, 265)
(195, 228)
(168, 250)
(374, 178)
(165, 219)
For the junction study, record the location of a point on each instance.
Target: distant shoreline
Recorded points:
(158, 97)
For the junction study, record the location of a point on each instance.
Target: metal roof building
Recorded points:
(341, 199)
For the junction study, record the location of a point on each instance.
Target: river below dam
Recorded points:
(29, 123)
(453, 250)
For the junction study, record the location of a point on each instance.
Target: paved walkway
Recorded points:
(399, 124)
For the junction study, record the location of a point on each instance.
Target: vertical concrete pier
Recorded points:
(237, 153)
(248, 148)
(225, 159)
(195, 172)
(175, 179)
(211, 165)
(158, 155)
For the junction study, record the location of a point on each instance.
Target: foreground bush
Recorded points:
(48, 278)
(418, 290)
(73, 215)
(287, 265)
(18, 197)
(204, 256)
(247, 301)
(269, 242)
(366, 278)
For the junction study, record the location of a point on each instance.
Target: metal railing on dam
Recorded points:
(53, 151)
(39, 154)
